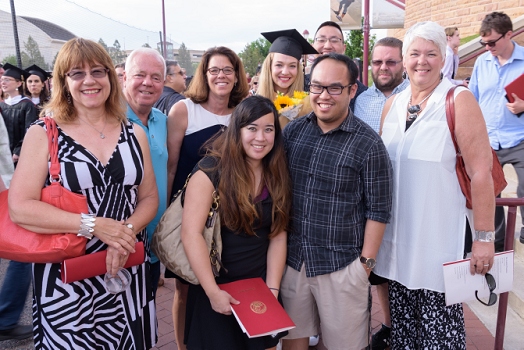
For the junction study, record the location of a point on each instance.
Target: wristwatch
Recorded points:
(484, 236)
(369, 262)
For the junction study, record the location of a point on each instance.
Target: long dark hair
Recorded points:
(237, 210)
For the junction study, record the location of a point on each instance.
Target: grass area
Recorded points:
(468, 39)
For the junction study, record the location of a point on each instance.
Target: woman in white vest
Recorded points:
(429, 209)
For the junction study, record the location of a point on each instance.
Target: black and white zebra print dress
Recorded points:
(82, 315)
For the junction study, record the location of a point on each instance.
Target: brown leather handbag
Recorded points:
(499, 181)
(19, 244)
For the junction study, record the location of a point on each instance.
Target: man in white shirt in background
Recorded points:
(452, 59)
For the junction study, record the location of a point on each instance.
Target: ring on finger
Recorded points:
(486, 264)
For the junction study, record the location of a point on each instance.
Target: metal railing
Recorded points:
(512, 204)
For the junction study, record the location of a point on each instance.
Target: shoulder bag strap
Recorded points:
(52, 140)
(450, 115)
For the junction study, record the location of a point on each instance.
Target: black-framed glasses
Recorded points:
(96, 73)
(389, 63)
(332, 90)
(216, 70)
(491, 43)
(323, 40)
(490, 280)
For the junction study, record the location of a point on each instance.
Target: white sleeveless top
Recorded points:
(199, 118)
(429, 210)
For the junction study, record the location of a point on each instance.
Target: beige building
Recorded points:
(466, 15)
(50, 37)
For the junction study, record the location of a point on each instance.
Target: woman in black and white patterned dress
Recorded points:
(106, 158)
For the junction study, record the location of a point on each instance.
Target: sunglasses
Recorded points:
(389, 63)
(490, 280)
(492, 42)
(96, 73)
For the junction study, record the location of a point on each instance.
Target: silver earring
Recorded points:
(404, 75)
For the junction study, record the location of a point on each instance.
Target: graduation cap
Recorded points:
(34, 69)
(15, 72)
(289, 42)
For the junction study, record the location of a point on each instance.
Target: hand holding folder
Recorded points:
(91, 265)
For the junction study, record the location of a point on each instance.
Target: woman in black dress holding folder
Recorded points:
(247, 166)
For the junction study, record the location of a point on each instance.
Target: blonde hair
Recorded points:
(75, 53)
(266, 86)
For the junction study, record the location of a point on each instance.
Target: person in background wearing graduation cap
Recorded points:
(17, 110)
(35, 86)
(282, 71)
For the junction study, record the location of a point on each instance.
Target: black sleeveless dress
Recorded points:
(244, 256)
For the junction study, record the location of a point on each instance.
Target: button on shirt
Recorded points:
(370, 103)
(340, 179)
(156, 131)
(487, 83)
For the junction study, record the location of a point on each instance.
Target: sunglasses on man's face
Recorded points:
(491, 43)
(490, 280)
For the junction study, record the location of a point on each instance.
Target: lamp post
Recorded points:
(305, 34)
(164, 29)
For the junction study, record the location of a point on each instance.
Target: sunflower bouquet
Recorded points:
(290, 107)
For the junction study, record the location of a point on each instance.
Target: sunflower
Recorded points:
(283, 101)
(299, 95)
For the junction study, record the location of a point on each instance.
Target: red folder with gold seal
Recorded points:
(259, 312)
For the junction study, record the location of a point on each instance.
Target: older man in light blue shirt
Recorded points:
(143, 84)
(492, 72)
(386, 71)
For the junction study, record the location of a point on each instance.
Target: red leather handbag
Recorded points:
(19, 244)
(499, 181)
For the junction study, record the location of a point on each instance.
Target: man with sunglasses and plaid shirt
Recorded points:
(502, 64)
(387, 73)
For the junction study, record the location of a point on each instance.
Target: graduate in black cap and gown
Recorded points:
(17, 110)
(282, 71)
(35, 86)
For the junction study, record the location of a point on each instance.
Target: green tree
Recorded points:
(33, 54)
(355, 43)
(11, 59)
(102, 42)
(184, 59)
(254, 53)
(116, 53)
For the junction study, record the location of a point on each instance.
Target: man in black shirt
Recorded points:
(174, 86)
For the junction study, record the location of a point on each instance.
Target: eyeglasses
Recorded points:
(491, 43)
(182, 73)
(389, 63)
(7, 80)
(96, 73)
(490, 280)
(323, 40)
(216, 71)
(332, 90)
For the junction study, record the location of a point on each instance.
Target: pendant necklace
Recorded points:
(101, 133)
(414, 111)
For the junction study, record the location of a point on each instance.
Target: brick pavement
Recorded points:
(477, 335)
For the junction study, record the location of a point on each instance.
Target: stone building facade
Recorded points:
(467, 16)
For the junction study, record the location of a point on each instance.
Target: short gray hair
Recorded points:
(145, 51)
(429, 31)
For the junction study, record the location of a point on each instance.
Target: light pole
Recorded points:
(164, 29)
